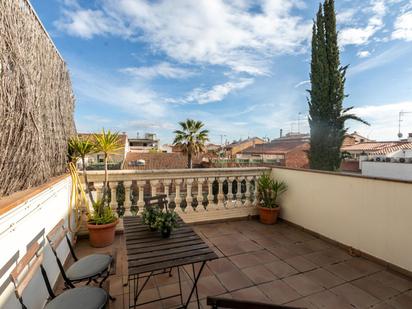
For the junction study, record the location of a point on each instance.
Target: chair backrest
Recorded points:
(25, 269)
(156, 201)
(57, 234)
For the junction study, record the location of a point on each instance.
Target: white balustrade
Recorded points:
(175, 181)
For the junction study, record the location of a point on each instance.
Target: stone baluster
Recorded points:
(127, 201)
(166, 186)
(140, 199)
(220, 194)
(99, 191)
(113, 198)
(178, 199)
(153, 186)
(199, 195)
(211, 205)
(230, 192)
(239, 192)
(189, 197)
(254, 195)
(247, 193)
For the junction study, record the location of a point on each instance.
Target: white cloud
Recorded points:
(384, 120)
(216, 93)
(403, 27)
(363, 53)
(362, 35)
(304, 82)
(163, 69)
(346, 16)
(204, 32)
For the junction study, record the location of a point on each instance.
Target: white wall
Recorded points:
(368, 214)
(31, 220)
(402, 171)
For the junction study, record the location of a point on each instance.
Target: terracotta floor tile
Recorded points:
(345, 271)
(259, 274)
(303, 285)
(244, 260)
(375, 288)
(403, 301)
(282, 252)
(302, 303)
(221, 265)
(234, 280)
(328, 300)
(251, 294)
(354, 295)
(325, 257)
(279, 292)
(116, 285)
(300, 263)
(210, 286)
(281, 269)
(265, 256)
(393, 280)
(317, 244)
(324, 278)
(382, 306)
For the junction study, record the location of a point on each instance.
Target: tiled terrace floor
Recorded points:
(277, 264)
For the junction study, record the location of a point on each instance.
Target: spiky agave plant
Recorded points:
(269, 190)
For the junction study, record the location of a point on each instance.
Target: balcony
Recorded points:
(343, 241)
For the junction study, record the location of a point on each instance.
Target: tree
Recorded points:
(81, 148)
(191, 138)
(108, 143)
(327, 116)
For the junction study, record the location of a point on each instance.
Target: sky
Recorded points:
(240, 66)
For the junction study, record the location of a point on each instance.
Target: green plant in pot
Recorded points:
(102, 223)
(166, 222)
(149, 216)
(268, 191)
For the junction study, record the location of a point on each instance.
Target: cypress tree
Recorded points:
(327, 116)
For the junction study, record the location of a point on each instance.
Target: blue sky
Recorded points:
(240, 66)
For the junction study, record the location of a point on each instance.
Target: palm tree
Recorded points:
(109, 143)
(191, 138)
(81, 148)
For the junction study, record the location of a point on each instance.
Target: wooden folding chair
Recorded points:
(159, 201)
(83, 297)
(89, 268)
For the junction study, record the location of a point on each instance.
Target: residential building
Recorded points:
(144, 143)
(290, 150)
(238, 146)
(95, 161)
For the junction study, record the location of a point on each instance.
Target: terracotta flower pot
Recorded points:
(102, 235)
(268, 215)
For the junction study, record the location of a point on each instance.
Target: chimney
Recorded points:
(281, 133)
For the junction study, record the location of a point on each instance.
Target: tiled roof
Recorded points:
(378, 147)
(155, 161)
(276, 147)
(243, 141)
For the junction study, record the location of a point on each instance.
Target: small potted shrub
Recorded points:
(402, 160)
(268, 191)
(102, 225)
(166, 222)
(149, 216)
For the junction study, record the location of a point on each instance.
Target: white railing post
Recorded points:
(140, 199)
(230, 192)
(199, 196)
(211, 204)
(166, 185)
(254, 195)
(189, 198)
(99, 191)
(153, 187)
(113, 195)
(178, 199)
(127, 200)
(220, 195)
(247, 193)
(239, 192)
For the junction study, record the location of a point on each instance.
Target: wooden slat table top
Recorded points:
(147, 251)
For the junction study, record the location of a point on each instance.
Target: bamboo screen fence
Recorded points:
(36, 101)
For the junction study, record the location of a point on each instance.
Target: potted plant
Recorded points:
(102, 223)
(149, 216)
(268, 191)
(166, 222)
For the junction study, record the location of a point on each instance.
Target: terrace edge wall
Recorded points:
(30, 221)
(369, 214)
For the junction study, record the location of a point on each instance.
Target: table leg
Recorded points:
(196, 279)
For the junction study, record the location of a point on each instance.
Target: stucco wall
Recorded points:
(393, 170)
(368, 214)
(28, 222)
